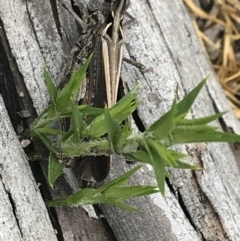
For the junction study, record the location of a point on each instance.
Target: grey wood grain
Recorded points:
(33, 38)
(164, 39)
(23, 212)
(201, 205)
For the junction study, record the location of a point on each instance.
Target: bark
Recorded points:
(202, 205)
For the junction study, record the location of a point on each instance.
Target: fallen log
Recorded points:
(202, 205)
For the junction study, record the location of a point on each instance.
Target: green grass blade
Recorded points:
(122, 193)
(113, 128)
(118, 112)
(54, 169)
(199, 121)
(158, 165)
(120, 181)
(69, 92)
(184, 105)
(112, 193)
(81, 197)
(48, 131)
(140, 156)
(50, 85)
(125, 132)
(195, 137)
(163, 125)
(183, 165)
(177, 155)
(163, 152)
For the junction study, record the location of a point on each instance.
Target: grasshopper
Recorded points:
(102, 35)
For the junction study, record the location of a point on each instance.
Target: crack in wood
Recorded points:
(56, 17)
(11, 201)
(12, 84)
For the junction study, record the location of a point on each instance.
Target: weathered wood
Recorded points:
(164, 39)
(203, 205)
(36, 39)
(23, 212)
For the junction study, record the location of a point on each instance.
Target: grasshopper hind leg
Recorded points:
(100, 167)
(92, 169)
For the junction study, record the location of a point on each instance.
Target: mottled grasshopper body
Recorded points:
(101, 35)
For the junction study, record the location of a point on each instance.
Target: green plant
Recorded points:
(108, 134)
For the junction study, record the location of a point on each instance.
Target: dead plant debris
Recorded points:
(217, 24)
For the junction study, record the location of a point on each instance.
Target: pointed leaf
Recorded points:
(140, 156)
(90, 110)
(199, 121)
(163, 152)
(50, 85)
(82, 197)
(112, 127)
(122, 193)
(125, 132)
(184, 165)
(67, 134)
(75, 81)
(158, 166)
(63, 102)
(78, 77)
(48, 131)
(177, 155)
(54, 169)
(184, 105)
(111, 194)
(195, 137)
(195, 128)
(119, 112)
(69, 92)
(120, 181)
(163, 125)
(38, 121)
